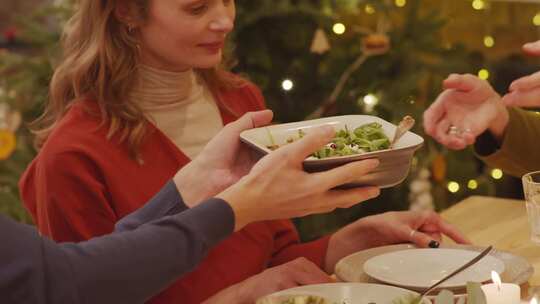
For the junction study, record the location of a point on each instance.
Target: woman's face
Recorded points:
(182, 34)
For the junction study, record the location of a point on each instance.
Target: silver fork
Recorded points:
(460, 269)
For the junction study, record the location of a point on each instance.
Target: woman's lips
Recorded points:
(213, 46)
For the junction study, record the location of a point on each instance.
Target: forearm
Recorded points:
(517, 152)
(341, 245)
(315, 251)
(146, 260)
(168, 201)
(25, 260)
(500, 123)
(232, 295)
(125, 267)
(363, 234)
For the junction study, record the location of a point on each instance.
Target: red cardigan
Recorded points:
(81, 184)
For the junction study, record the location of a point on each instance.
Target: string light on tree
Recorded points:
(496, 173)
(370, 101)
(287, 85)
(401, 3)
(339, 28)
(479, 4)
(369, 9)
(489, 41)
(453, 187)
(536, 19)
(483, 74)
(472, 184)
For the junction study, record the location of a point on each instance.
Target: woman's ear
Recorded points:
(127, 13)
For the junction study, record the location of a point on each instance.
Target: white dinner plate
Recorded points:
(517, 269)
(421, 268)
(344, 293)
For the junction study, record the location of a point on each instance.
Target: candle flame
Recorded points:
(496, 279)
(534, 301)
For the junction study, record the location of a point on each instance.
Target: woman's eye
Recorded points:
(197, 10)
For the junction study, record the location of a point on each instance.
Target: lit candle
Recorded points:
(503, 293)
(533, 301)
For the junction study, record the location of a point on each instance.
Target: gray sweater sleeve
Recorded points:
(123, 267)
(168, 201)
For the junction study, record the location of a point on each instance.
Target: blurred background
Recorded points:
(314, 58)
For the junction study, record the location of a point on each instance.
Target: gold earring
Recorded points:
(131, 28)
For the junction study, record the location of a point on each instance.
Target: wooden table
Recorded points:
(499, 222)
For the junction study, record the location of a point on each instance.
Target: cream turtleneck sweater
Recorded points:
(180, 105)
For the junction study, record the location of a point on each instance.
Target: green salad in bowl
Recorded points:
(365, 138)
(295, 299)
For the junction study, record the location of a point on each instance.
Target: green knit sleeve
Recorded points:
(519, 152)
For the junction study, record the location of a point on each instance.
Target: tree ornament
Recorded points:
(320, 44)
(438, 167)
(9, 123)
(8, 143)
(10, 34)
(376, 44)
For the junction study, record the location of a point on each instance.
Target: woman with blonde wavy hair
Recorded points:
(137, 95)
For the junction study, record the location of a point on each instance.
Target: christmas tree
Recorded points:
(380, 59)
(25, 67)
(311, 59)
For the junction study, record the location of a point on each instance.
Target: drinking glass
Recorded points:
(531, 189)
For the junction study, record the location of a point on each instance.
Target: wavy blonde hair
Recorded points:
(99, 63)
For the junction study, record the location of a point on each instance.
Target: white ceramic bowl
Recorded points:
(344, 293)
(394, 163)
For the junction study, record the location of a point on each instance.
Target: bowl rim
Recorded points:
(293, 290)
(325, 121)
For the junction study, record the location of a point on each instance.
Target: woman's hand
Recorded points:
(277, 187)
(470, 106)
(296, 273)
(223, 161)
(425, 229)
(525, 91)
